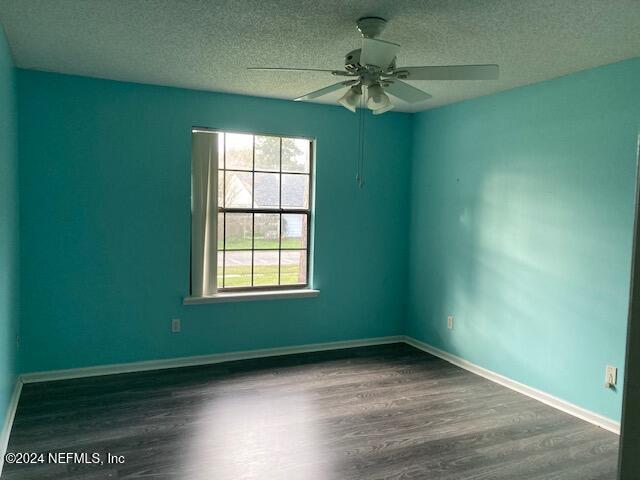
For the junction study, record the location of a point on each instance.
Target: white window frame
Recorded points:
(204, 231)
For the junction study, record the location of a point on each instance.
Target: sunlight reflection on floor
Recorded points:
(255, 435)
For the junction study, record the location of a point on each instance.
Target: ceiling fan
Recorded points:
(371, 71)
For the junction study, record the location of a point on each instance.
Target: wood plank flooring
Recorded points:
(384, 412)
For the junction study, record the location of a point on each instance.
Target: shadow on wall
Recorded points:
(8, 287)
(8, 334)
(530, 256)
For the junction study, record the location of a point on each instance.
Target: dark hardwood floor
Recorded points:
(365, 413)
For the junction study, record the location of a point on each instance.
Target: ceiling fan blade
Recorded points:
(339, 73)
(450, 72)
(325, 90)
(406, 92)
(286, 69)
(378, 52)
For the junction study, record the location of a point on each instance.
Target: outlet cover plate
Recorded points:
(611, 376)
(175, 325)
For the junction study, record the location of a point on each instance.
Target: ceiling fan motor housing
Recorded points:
(352, 62)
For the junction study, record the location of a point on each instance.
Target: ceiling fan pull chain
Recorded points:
(360, 159)
(359, 147)
(362, 143)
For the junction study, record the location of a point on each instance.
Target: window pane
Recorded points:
(238, 188)
(239, 151)
(293, 267)
(295, 191)
(219, 268)
(220, 188)
(294, 230)
(295, 155)
(238, 231)
(267, 230)
(267, 190)
(220, 231)
(265, 267)
(268, 153)
(266, 173)
(237, 269)
(220, 150)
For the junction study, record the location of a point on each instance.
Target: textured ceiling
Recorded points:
(208, 44)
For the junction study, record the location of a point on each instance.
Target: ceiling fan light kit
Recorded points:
(351, 98)
(377, 99)
(373, 66)
(383, 109)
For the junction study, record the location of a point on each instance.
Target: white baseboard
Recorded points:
(536, 394)
(8, 422)
(201, 360)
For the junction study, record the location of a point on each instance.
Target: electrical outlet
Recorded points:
(175, 325)
(610, 377)
(450, 322)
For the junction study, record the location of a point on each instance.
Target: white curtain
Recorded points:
(204, 199)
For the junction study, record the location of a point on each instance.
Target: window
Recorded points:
(251, 212)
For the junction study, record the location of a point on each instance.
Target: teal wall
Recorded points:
(8, 228)
(521, 227)
(105, 205)
(512, 212)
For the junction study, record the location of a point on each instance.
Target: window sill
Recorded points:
(252, 296)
